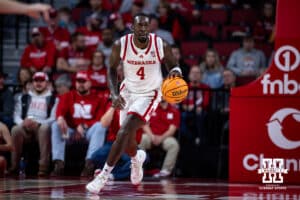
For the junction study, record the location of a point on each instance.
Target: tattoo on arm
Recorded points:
(114, 62)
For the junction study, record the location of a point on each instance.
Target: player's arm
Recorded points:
(171, 64)
(32, 10)
(112, 75)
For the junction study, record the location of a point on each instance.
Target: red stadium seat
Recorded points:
(226, 48)
(207, 30)
(192, 61)
(231, 31)
(214, 16)
(244, 16)
(193, 48)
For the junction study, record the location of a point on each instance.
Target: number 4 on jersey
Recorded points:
(141, 73)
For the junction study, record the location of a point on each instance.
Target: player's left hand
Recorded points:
(174, 74)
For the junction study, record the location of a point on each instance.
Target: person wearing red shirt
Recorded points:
(75, 58)
(58, 35)
(195, 104)
(77, 116)
(122, 169)
(40, 54)
(160, 131)
(98, 71)
(91, 31)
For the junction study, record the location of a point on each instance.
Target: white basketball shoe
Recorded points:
(97, 184)
(137, 173)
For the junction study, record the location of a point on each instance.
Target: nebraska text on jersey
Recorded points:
(138, 62)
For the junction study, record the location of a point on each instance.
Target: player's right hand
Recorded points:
(118, 102)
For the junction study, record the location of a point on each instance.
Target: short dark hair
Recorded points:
(141, 15)
(230, 70)
(75, 35)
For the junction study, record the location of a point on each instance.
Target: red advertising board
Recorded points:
(265, 115)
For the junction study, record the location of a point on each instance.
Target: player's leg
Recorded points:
(128, 128)
(131, 124)
(138, 158)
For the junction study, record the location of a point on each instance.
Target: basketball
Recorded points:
(174, 90)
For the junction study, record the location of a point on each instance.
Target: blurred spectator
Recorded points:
(195, 107)
(247, 61)
(6, 146)
(24, 80)
(122, 169)
(40, 54)
(178, 57)
(118, 25)
(150, 6)
(182, 7)
(77, 116)
(212, 69)
(63, 84)
(65, 19)
(113, 5)
(34, 113)
(218, 4)
(91, 31)
(220, 99)
(154, 28)
(105, 46)
(96, 6)
(98, 71)
(223, 98)
(137, 7)
(264, 26)
(6, 103)
(171, 21)
(160, 131)
(75, 57)
(60, 36)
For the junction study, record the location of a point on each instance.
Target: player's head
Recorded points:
(83, 82)
(140, 27)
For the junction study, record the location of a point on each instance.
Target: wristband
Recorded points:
(176, 69)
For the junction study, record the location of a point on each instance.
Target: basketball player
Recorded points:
(141, 54)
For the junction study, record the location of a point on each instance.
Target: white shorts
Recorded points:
(141, 105)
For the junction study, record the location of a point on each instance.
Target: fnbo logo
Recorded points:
(287, 59)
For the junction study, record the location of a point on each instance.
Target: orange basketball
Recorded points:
(174, 90)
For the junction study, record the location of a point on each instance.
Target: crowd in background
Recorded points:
(62, 92)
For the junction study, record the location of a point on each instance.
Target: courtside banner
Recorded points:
(266, 128)
(265, 114)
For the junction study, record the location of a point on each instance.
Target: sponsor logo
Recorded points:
(178, 92)
(252, 162)
(272, 170)
(275, 128)
(291, 60)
